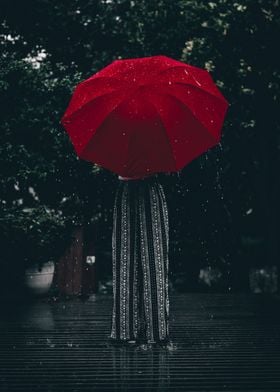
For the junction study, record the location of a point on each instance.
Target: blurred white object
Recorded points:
(90, 260)
(39, 280)
(263, 280)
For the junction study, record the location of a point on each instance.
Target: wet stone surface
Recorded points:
(219, 342)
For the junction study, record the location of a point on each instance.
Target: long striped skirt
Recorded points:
(140, 262)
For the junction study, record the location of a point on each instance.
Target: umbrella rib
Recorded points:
(68, 117)
(185, 108)
(108, 115)
(162, 123)
(194, 78)
(220, 98)
(173, 67)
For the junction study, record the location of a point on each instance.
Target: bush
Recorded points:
(33, 235)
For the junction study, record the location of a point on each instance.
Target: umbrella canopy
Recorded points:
(145, 115)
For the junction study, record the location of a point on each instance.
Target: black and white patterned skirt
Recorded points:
(140, 242)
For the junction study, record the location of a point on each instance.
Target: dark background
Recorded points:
(223, 207)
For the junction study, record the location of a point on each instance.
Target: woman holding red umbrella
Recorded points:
(139, 117)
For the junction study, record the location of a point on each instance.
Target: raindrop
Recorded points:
(124, 133)
(211, 121)
(198, 83)
(169, 82)
(186, 72)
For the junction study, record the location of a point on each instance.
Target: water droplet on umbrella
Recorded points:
(169, 82)
(211, 121)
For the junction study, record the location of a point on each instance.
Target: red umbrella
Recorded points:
(145, 115)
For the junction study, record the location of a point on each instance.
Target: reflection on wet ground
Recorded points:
(219, 342)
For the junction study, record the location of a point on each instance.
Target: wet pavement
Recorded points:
(219, 342)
